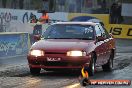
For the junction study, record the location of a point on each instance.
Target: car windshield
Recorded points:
(69, 31)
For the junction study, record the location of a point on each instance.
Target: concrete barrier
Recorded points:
(14, 44)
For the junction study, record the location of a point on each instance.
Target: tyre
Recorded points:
(109, 65)
(35, 71)
(91, 68)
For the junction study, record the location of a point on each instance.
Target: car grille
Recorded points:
(55, 63)
(60, 64)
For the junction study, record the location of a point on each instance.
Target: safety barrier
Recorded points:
(14, 44)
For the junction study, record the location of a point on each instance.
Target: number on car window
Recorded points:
(88, 30)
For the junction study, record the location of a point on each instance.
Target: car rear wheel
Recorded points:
(91, 68)
(109, 65)
(35, 71)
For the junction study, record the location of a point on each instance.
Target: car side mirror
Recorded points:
(100, 38)
(37, 37)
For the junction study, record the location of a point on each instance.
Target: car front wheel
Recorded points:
(109, 65)
(91, 68)
(35, 71)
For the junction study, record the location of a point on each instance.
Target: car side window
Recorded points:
(105, 34)
(98, 31)
(102, 30)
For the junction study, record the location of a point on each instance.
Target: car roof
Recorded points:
(83, 23)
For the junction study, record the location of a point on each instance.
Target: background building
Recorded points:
(75, 6)
(58, 5)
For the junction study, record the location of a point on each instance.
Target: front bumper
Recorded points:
(65, 62)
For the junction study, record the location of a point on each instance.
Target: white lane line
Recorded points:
(8, 57)
(76, 85)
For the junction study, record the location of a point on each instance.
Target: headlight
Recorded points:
(36, 53)
(76, 53)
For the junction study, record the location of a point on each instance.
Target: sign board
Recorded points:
(14, 44)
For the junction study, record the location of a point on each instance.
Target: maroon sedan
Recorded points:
(72, 45)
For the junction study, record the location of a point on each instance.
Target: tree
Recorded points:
(21, 4)
(4, 3)
(36, 4)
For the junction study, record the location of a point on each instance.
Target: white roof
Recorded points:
(83, 23)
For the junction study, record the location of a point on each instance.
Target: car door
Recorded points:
(105, 44)
(100, 48)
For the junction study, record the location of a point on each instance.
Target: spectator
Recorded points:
(115, 13)
(33, 19)
(120, 18)
(103, 6)
(37, 30)
(44, 18)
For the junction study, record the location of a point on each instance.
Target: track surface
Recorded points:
(14, 72)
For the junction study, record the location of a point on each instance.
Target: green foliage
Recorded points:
(37, 4)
